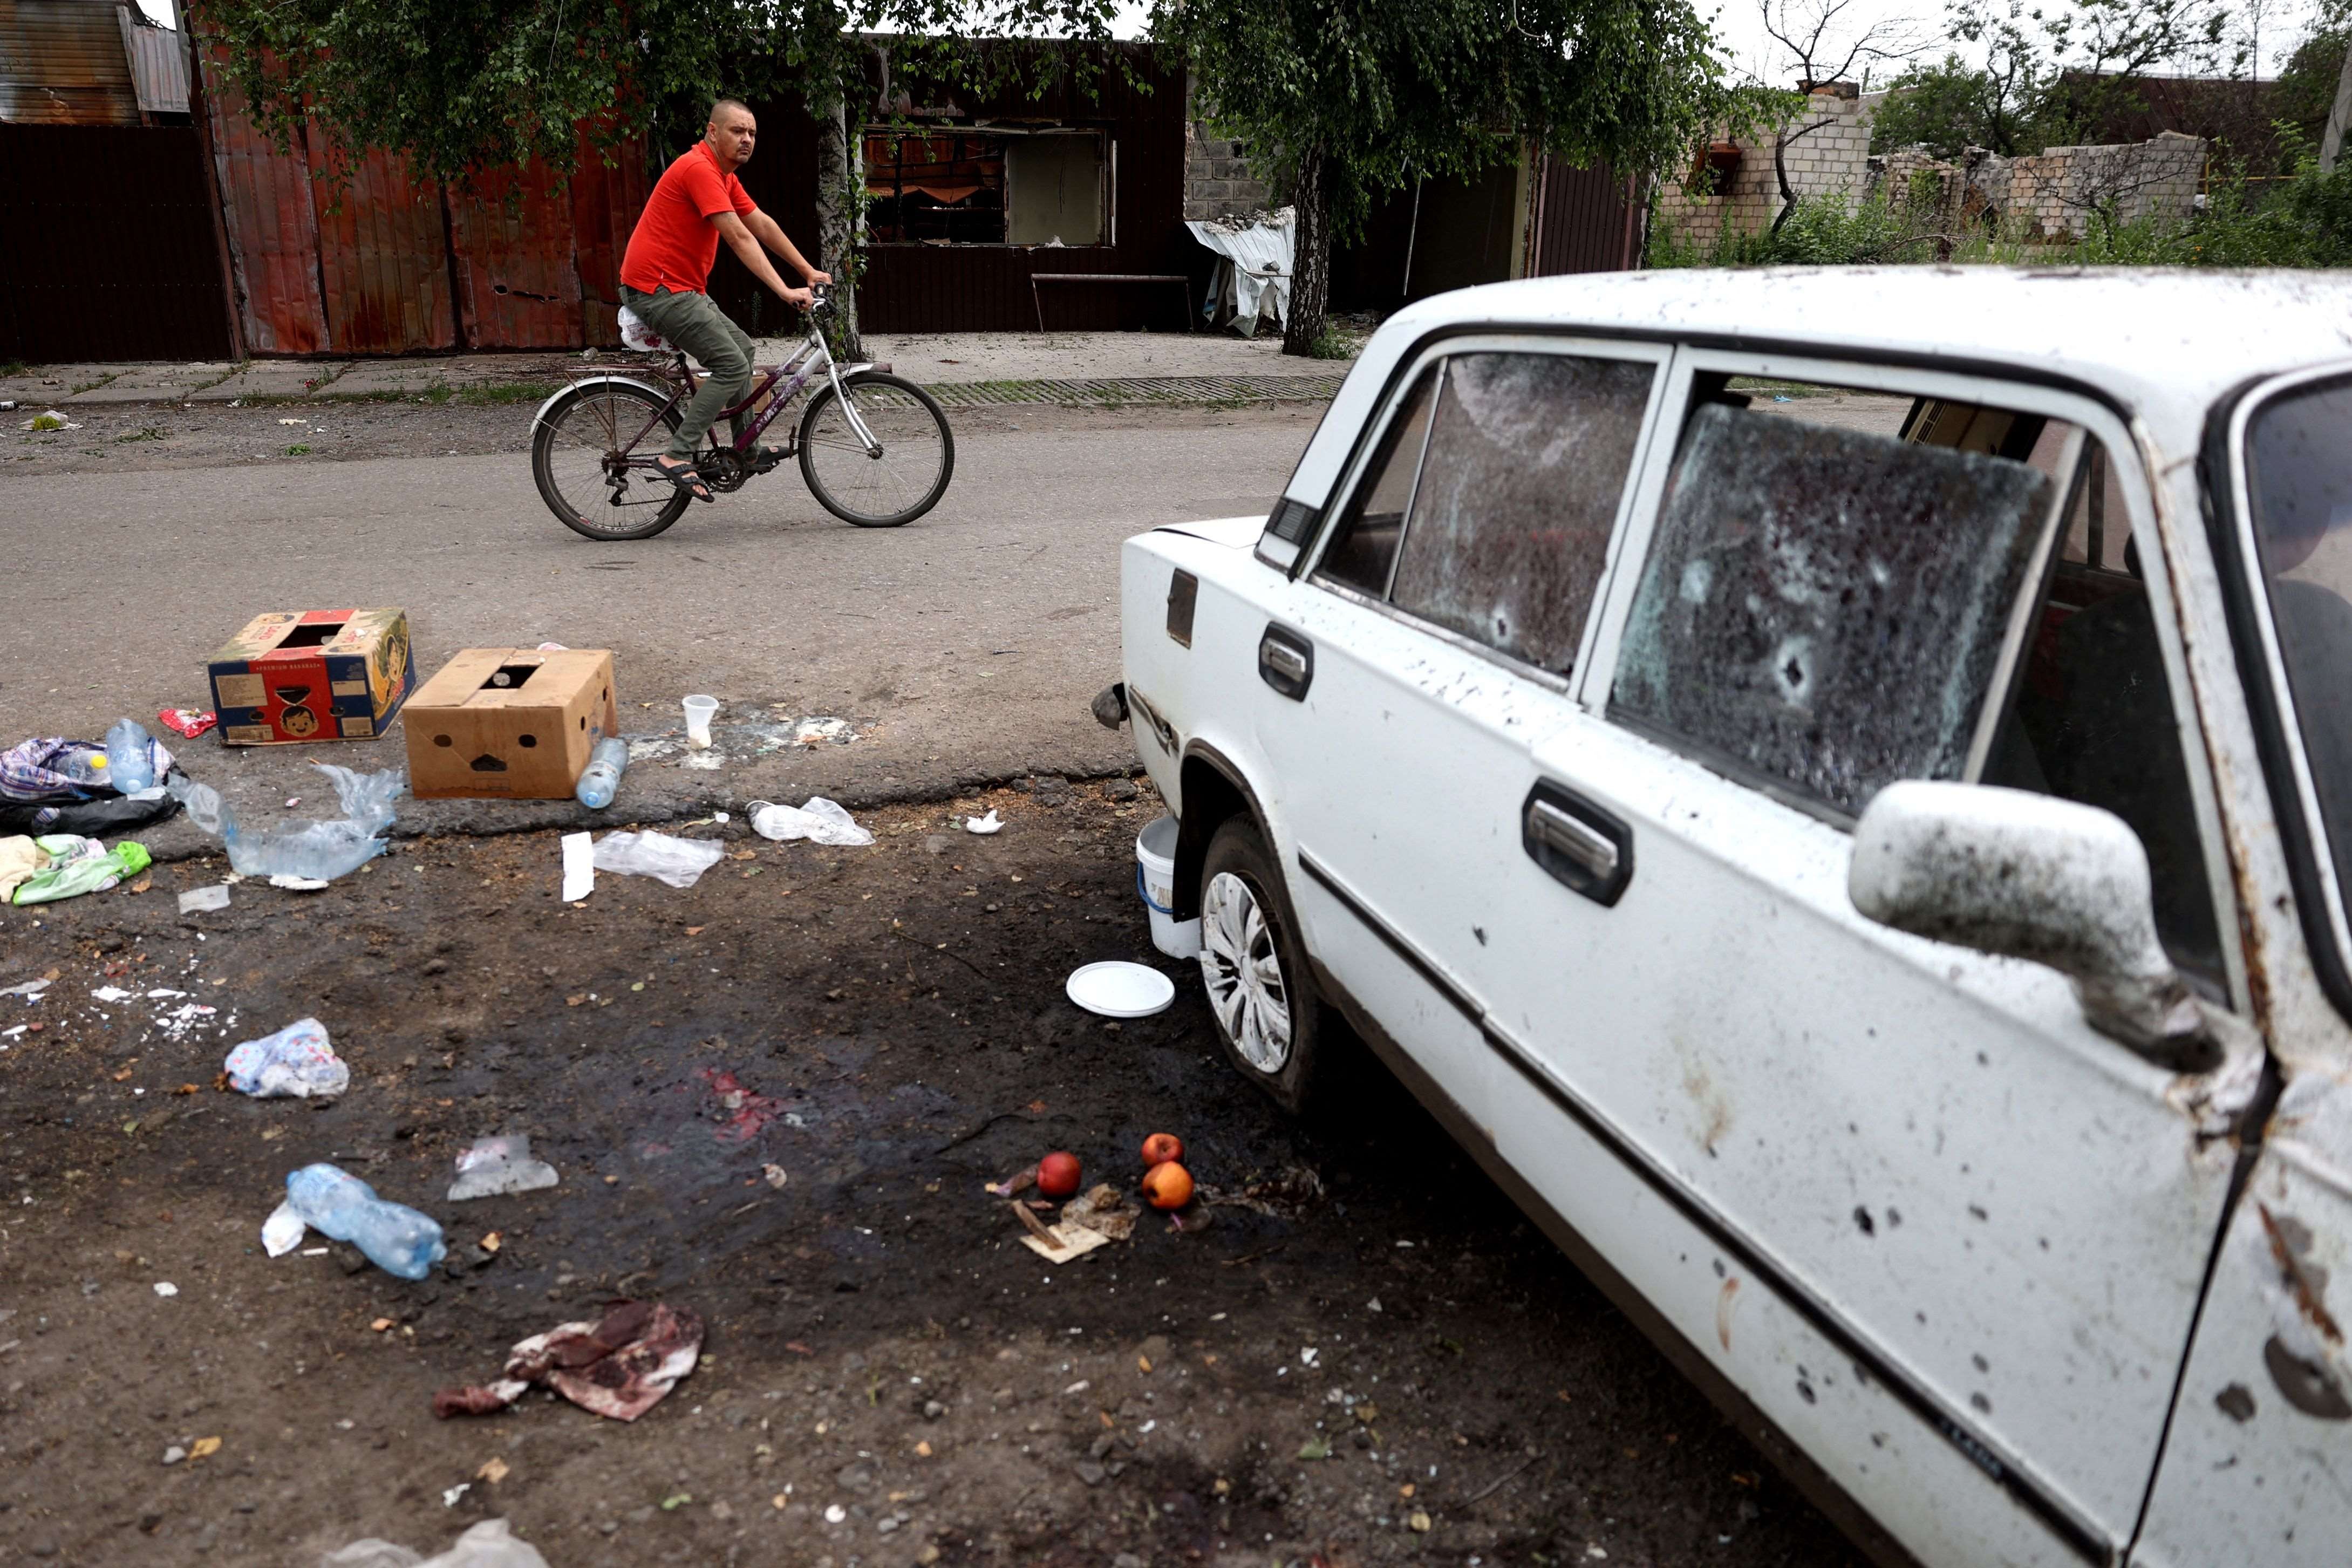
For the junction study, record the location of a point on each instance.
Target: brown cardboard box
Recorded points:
(509, 723)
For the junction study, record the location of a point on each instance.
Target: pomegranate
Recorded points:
(1160, 1148)
(1058, 1175)
(1168, 1185)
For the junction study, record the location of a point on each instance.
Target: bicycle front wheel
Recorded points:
(579, 455)
(896, 477)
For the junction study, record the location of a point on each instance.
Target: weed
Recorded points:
(295, 451)
(145, 433)
(102, 381)
(15, 367)
(498, 393)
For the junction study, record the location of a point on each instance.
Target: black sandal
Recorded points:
(685, 476)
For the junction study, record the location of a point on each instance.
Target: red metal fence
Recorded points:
(1585, 220)
(365, 258)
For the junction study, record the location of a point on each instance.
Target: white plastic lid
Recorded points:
(1116, 989)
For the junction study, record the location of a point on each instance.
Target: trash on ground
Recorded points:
(300, 884)
(510, 723)
(699, 712)
(1168, 1185)
(293, 678)
(495, 1165)
(297, 1062)
(19, 858)
(983, 825)
(1104, 1209)
(1057, 1175)
(489, 1545)
(681, 862)
(76, 866)
(30, 990)
(186, 722)
(54, 784)
(1155, 884)
(619, 1367)
(579, 867)
(165, 1288)
(775, 1175)
(314, 849)
(1056, 1243)
(601, 780)
(338, 1205)
(50, 420)
(819, 820)
(1019, 1182)
(819, 731)
(1117, 989)
(197, 900)
(281, 1232)
(130, 763)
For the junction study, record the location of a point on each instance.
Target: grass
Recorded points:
(102, 381)
(15, 367)
(295, 451)
(145, 433)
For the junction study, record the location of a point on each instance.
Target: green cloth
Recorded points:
(79, 866)
(696, 323)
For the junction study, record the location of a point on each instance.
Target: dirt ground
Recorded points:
(137, 438)
(1378, 1362)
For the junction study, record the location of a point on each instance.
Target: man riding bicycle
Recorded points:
(665, 272)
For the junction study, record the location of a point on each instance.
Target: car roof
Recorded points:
(2163, 343)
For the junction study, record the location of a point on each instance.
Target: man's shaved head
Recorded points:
(732, 132)
(724, 104)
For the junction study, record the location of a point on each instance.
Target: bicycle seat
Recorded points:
(636, 334)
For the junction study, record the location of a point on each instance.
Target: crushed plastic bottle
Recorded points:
(602, 777)
(320, 849)
(820, 820)
(297, 1061)
(130, 757)
(336, 1204)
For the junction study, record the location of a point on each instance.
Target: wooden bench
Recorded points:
(1183, 284)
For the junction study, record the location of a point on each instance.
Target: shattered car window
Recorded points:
(1527, 460)
(2299, 473)
(1826, 607)
(1363, 548)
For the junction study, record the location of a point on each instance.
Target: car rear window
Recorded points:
(1826, 607)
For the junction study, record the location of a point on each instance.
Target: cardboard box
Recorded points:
(509, 723)
(298, 677)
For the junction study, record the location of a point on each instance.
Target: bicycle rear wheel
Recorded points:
(578, 452)
(897, 480)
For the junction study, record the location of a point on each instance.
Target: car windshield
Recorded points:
(2299, 475)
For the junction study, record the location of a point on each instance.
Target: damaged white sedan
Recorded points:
(1837, 787)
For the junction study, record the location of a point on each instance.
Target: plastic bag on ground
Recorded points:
(619, 1366)
(495, 1165)
(681, 862)
(820, 821)
(322, 849)
(299, 1062)
(79, 866)
(489, 1545)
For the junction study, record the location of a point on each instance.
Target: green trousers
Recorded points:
(696, 323)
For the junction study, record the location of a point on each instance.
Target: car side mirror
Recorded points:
(2028, 876)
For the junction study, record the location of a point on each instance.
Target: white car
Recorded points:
(1837, 787)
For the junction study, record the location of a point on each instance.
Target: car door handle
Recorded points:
(1585, 848)
(1285, 661)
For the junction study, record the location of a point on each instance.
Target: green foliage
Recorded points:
(462, 86)
(1950, 106)
(2306, 86)
(1379, 92)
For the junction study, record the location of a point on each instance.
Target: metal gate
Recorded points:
(1585, 220)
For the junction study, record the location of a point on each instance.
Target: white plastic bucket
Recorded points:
(1155, 879)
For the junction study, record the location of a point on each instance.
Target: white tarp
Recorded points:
(1256, 277)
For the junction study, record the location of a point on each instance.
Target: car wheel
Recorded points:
(1268, 1015)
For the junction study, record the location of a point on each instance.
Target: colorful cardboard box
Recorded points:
(511, 723)
(297, 676)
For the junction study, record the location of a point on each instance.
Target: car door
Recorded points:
(1943, 1234)
(1426, 643)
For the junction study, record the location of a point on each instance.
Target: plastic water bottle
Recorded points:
(334, 1203)
(129, 758)
(602, 776)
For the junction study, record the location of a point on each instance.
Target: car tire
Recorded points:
(1262, 998)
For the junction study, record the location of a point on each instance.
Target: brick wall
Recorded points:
(2056, 194)
(1832, 160)
(1217, 179)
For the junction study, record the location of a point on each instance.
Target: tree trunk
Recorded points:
(840, 219)
(1310, 267)
(2331, 142)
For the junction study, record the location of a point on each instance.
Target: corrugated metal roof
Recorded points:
(62, 63)
(159, 63)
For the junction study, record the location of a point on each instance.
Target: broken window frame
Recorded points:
(1106, 164)
(2310, 851)
(1358, 477)
(2129, 494)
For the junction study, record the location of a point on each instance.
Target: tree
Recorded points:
(1341, 100)
(463, 87)
(1952, 106)
(1816, 39)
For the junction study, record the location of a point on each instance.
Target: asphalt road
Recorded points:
(965, 646)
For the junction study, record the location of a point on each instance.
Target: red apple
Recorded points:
(1058, 1175)
(1160, 1148)
(1168, 1185)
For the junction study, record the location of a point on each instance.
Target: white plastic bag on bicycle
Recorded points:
(639, 336)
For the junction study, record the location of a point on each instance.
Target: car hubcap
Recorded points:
(1243, 972)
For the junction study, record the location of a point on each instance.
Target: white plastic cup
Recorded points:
(698, 712)
(1155, 860)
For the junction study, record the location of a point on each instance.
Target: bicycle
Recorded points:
(865, 436)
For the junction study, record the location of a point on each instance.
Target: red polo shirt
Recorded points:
(675, 242)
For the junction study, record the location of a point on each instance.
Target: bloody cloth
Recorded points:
(675, 242)
(619, 1367)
